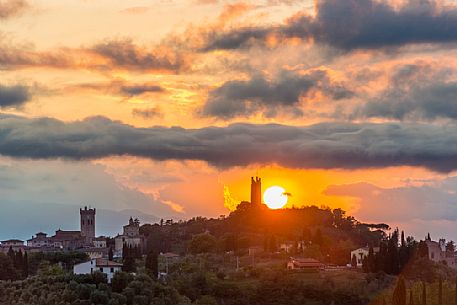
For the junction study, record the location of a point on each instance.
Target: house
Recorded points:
(288, 246)
(436, 250)
(100, 242)
(94, 252)
(361, 254)
(39, 240)
(310, 264)
(98, 264)
(68, 240)
(12, 243)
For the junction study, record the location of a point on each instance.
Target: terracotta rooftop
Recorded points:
(306, 262)
(101, 262)
(12, 241)
(170, 255)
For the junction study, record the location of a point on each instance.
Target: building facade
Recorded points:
(87, 223)
(130, 237)
(98, 264)
(360, 254)
(256, 190)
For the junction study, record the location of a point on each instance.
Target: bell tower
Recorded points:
(87, 224)
(256, 190)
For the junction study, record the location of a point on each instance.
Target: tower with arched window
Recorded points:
(87, 224)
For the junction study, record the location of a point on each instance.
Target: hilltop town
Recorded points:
(252, 240)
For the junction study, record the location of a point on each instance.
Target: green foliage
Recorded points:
(202, 243)
(152, 264)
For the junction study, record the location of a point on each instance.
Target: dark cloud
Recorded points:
(13, 96)
(105, 56)
(11, 8)
(259, 94)
(133, 90)
(329, 145)
(415, 91)
(147, 113)
(119, 87)
(126, 54)
(354, 24)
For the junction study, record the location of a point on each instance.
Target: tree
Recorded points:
(202, 243)
(110, 254)
(371, 264)
(128, 259)
(152, 263)
(354, 261)
(422, 249)
(424, 294)
(450, 247)
(399, 296)
(120, 281)
(455, 301)
(440, 292)
(25, 265)
(129, 264)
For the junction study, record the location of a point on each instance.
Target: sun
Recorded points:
(275, 197)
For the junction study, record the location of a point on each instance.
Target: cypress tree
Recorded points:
(424, 294)
(26, 265)
(152, 263)
(18, 260)
(11, 254)
(371, 264)
(110, 254)
(354, 261)
(440, 292)
(455, 301)
(399, 297)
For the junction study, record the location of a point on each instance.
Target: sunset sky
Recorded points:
(168, 107)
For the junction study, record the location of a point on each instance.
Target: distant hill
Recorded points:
(322, 233)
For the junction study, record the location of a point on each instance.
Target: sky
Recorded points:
(166, 108)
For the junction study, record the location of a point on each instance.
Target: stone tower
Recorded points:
(256, 190)
(87, 224)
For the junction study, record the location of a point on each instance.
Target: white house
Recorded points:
(287, 246)
(98, 264)
(436, 250)
(361, 253)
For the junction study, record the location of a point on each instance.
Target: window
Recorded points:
(101, 269)
(112, 270)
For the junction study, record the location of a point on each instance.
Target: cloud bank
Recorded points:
(354, 24)
(245, 97)
(13, 96)
(327, 145)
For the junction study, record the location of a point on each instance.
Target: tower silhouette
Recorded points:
(256, 190)
(87, 224)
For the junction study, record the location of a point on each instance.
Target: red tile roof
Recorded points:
(101, 262)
